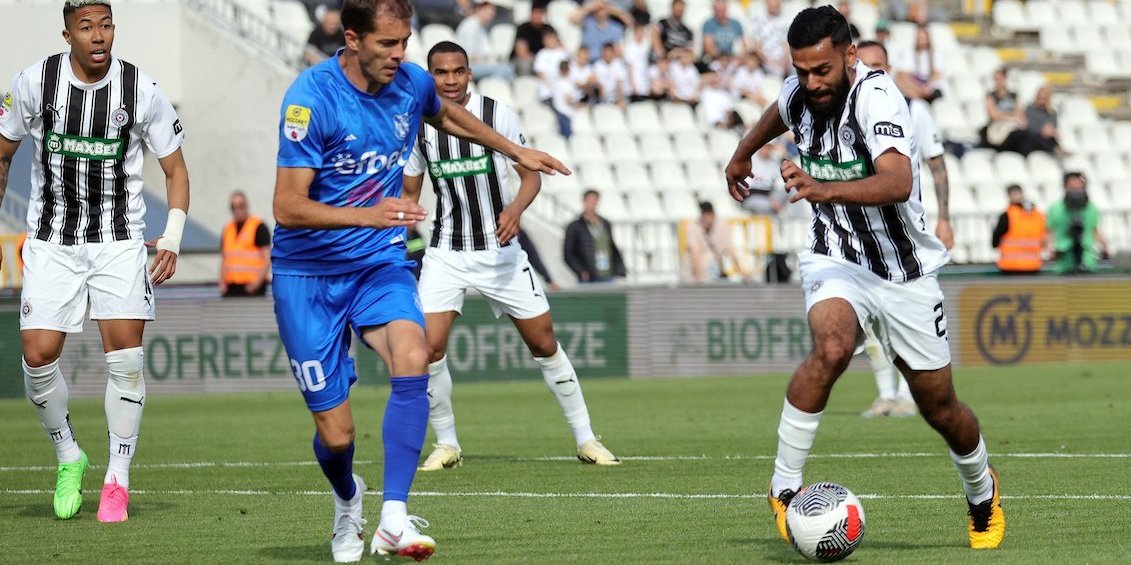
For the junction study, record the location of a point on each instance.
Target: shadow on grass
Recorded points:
(776, 551)
(301, 552)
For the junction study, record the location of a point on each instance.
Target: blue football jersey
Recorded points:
(358, 144)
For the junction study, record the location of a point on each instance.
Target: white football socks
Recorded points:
(904, 392)
(974, 469)
(394, 512)
(125, 401)
(559, 375)
(796, 433)
(440, 413)
(47, 389)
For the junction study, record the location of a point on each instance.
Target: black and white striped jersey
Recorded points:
(892, 241)
(472, 182)
(86, 175)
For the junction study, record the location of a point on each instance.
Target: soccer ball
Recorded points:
(825, 522)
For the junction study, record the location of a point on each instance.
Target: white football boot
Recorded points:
(348, 542)
(399, 536)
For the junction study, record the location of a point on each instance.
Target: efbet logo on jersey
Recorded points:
(824, 170)
(370, 162)
(455, 168)
(296, 122)
(93, 148)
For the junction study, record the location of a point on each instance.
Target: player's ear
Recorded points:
(850, 55)
(67, 36)
(353, 40)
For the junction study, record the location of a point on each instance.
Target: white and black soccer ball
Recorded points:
(825, 522)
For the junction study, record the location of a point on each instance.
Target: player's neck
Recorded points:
(89, 76)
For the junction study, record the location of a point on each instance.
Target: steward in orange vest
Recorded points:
(244, 246)
(1020, 236)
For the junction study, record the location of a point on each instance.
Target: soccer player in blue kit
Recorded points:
(348, 127)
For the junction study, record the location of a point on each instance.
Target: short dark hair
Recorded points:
(1012, 188)
(870, 43)
(72, 6)
(1074, 174)
(814, 24)
(706, 208)
(359, 16)
(447, 47)
(591, 191)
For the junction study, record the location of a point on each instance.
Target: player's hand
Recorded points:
(254, 287)
(737, 172)
(945, 233)
(508, 225)
(540, 161)
(803, 185)
(163, 266)
(394, 212)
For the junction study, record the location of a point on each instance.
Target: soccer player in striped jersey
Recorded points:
(871, 260)
(347, 128)
(473, 246)
(895, 395)
(87, 115)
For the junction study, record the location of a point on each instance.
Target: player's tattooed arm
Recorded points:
(454, 119)
(768, 128)
(942, 193)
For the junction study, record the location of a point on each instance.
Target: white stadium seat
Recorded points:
(632, 177)
(1104, 14)
(691, 147)
(678, 117)
(722, 143)
(587, 148)
(657, 147)
(1057, 39)
(1072, 12)
(1041, 13)
(526, 91)
(1012, 168)
(502, 40)
(621, 148)
(668, 176)
(1093, 138)
(1105, 65)
(539, 119)
(1121, 136)
(645, 206)
(496, 88)
(1110, 167)
(1010, 14)
(431, 34)
(553, 144)
(598, 176)
(643, 117)
(607, 118)
(1044, 168)
(1077, 111)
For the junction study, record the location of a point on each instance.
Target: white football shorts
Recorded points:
(907, 318)
(60, 281)
(503, 276)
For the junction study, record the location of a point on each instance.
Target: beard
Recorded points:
(835, 105)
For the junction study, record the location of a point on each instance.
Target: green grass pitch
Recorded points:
(231, 478)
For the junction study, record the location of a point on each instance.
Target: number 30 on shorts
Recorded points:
(309, 374)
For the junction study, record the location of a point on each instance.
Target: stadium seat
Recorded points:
(1105, 65)
(705, 177)
(553, 144)
(1058, 40)
(621, 148)
(956, 63)
(1077, 111)
(586, 148)
(1105, 14)
(539, 119)
(1073, 13)
(1120, 197)
(668, 177)
(978, 167)
(607, 118)
(1118, 37)
(431, 34)
(612, 205)
(1078, 163)
(502, 40)
(1121, 136)
(1012, 168)
(645, 206)
(1044, 168)
(291, 17)
(942, 36)
(722, 143)
(643, 117)
(597, 175)
(657, 148)
(1010, 15)
(984, 61)
(496, 88)
(1088, 38)
(691, 147)
(526, 91)
(1093, 138)
(678, 117)
(1040, 14)
(967, 88)
(583, 120)
(633, 177)
(864, 15)
(750, 111)
(570, 36)
(1110, 166)
(902, 39)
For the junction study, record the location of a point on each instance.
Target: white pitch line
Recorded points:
(586, 495)
(552, 458)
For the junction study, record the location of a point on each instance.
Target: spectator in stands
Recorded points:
(326, 38)
(528, 40)
(920, 73)
(721, 34)
(472, 35)
(547, 62)
(845, 9)
(767, 189)
(1020, 235)
(446, 12)
(1007, 128)
(671, 32)
(716, 103)
(601, 24)
(769, 37)
(1074, 227)
(581, 72)
(245, 249)
(1041, 121)
(660, 79)
(640, 14)
(589, 249)
(684, 77)
(612, 77)
(709, 248)
(637, 45)
(565, 99)
(535, 258)
(747, 77)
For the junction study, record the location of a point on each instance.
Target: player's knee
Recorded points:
(435, 354)
(415, 361)
(834, 353)
(40, 356)
(337, 440)
(543, 345)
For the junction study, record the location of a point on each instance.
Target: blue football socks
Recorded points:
(338, 467)
(403, 431)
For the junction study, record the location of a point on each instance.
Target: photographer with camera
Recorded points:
(1074, 226)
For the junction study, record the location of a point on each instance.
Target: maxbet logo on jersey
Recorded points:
(455, 168)
(94, 148)
(296, 122)
(824, 170)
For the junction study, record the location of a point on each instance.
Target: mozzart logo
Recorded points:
(94, 148)
(1046, 323)
(825, 170)
(454, 168)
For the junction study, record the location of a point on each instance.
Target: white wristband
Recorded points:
(174, 228)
